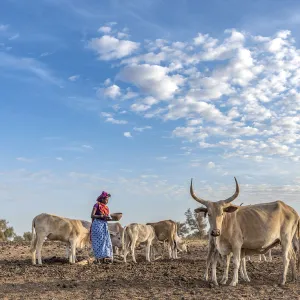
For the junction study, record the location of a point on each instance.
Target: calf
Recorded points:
(166, 231)
(56, 228)
(134, 234)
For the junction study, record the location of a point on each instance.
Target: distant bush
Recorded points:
(7, 233)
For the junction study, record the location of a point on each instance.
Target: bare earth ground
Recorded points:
(162, 279)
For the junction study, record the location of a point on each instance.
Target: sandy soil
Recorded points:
(162, 279)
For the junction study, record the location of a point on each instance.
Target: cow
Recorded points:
(116, 229)
(134, 234)
(167, 231)
(254, 229)
(55, 228)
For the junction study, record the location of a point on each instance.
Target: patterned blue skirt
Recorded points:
(101, 241)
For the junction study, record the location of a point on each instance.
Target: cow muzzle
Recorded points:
(215, 232)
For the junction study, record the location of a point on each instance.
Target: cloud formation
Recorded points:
(238, 94)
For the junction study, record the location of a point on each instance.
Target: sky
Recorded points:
(138, 97)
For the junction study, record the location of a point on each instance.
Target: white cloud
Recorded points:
(3, 27)
(139, 107)
(105, 29)
(112, 91)
(87, 147)
(122, 35)
(59, 158)
(114, 121)
(127, 134)
(109, 47)
(46, 54)
(161, 157)
(32, 66)
(24, 159)
(152, 79)
(211, 165)
(74, 77)
(141, 129)
(14, 37)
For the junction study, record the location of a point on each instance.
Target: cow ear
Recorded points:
(230, 209)
(201, 209)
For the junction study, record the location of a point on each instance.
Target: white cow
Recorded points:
(56, 228)
(134, 234)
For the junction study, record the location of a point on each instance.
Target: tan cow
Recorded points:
(253, 228)
(167, 231)
(55, 228)
(134, 234)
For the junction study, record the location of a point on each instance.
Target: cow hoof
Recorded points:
(233, 283)
(223, 281)
(215, 283)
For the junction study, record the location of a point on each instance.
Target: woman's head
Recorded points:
(103, 198)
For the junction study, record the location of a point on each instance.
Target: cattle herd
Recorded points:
(235, 233)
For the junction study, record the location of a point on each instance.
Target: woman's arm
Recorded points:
(94, 216)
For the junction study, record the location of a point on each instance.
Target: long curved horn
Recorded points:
(237, 190)
(204, 202)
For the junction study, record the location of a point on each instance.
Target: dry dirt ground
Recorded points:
(162, 279)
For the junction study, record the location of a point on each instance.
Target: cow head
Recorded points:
(116, 239)
(181, 244)
(216, 210)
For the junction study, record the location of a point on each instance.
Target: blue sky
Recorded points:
(137, 97)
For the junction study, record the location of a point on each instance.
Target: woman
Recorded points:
(100, 237)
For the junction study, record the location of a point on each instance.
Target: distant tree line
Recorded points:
(7, 233)
(193, 227)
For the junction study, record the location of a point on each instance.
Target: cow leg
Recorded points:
(125, 253)
(133, 250)
(148, 250)
(208, 260)
(286, 244)
(33, 258)
(72, 258)
(33, 250)
(39, 245)
(214, 269)
(175, 251)
(67, 251)
(293, 259)
(263, 256)
(170, 251)
(236, 262)
(244, 273)
(226, 269)
(270, 255)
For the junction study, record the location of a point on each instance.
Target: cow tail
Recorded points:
(174, 237)
(123, 240)
(298, 242)
(33, 238)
